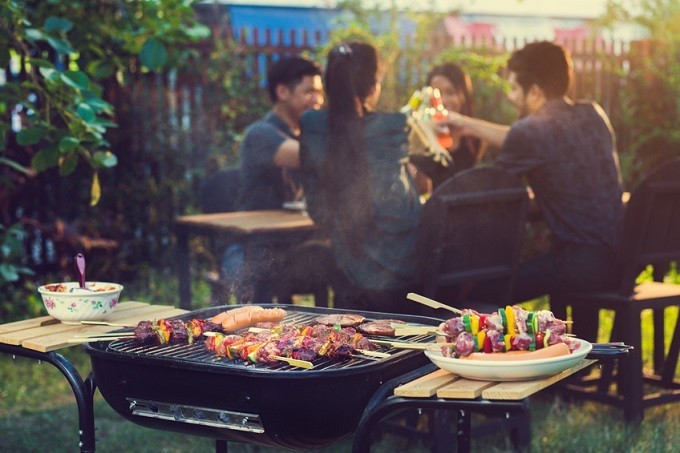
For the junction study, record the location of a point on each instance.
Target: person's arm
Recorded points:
(288, 154)
(492, 133)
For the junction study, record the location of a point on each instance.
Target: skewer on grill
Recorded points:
(431, 302)
(409, 345)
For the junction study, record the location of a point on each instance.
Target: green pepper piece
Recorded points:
(466, 323)
(504, 319)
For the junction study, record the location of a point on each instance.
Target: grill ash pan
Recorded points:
(185, 388)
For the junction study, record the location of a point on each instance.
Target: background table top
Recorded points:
(249, 221)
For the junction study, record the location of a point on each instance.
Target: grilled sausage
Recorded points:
(220, 317)
(556, 350)
(249, 318)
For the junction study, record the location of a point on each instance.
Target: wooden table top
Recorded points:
(45, 334)
(249, 222)
(447, 385)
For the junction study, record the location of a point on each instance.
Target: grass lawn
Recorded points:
(38, 414)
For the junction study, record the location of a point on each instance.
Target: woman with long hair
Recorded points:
(456, 91)
(357, 185)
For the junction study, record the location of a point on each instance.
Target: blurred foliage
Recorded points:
(650, 122)
(58, 56)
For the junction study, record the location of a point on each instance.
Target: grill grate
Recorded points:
(197, 353)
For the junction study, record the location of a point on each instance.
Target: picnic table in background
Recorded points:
(270, 227)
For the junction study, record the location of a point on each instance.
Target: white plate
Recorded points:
(295, 205)
(520, 370)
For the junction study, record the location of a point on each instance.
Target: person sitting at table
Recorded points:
(354, 170)
(456, 91)
(567, 152)
(269, 172)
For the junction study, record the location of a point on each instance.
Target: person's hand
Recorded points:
(455, 120)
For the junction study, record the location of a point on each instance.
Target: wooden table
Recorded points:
(433, 388)
(40, 338)
(248, 227)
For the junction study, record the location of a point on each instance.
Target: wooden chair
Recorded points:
(307, 268)
(472, 231)
(471, 234)
(651, 235)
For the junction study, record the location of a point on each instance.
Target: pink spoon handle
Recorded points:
(80, 269)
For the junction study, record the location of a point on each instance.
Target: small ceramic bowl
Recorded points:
(68, 302)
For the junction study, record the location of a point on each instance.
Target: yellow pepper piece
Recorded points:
(508, 341)
(474, 324)
(510, 315)
(481, 336)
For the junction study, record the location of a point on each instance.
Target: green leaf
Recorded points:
(95, 190)
(198, 31)
(68, 164)
(41, 63)
(76, 79)
(99, 105)
(57, 24)
(31, 135)
(100, 69)
(45, 158)
(8, 272)
(50, 74)
(86, 113)
(105, 159)
(33, 34)
(60, 45)
(68, 143)
(153, 54)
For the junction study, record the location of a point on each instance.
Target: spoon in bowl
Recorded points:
(80, 271)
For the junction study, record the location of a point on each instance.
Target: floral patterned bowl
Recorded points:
(68, 302)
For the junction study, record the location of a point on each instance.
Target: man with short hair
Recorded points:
(269, 175)
(270, 151)
(567, 152)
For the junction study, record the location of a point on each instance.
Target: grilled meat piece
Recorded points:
(381, 327)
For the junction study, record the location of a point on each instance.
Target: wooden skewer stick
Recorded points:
(111, 334)
(92, 339)
(400, 329)
(381, 355)
(416, 346)
(95, 323)
(431, 303)
(295, 362)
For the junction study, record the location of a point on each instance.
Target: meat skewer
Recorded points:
(510, 328)
(305, 343)
(160, 332)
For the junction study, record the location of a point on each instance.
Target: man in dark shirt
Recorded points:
(567, 153)
(269, 174)
(270, 151)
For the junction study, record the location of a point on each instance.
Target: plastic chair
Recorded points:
(651, 235)
(471, 233)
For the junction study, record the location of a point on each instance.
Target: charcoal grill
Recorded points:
(186, 388)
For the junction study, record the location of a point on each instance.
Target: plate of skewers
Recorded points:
(510, 344)
(518, 367)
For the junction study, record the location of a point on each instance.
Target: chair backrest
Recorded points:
(472, 230)
(651, 228)
(219, 191)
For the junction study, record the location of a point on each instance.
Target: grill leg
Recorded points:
(463, 428)
(221, 446)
